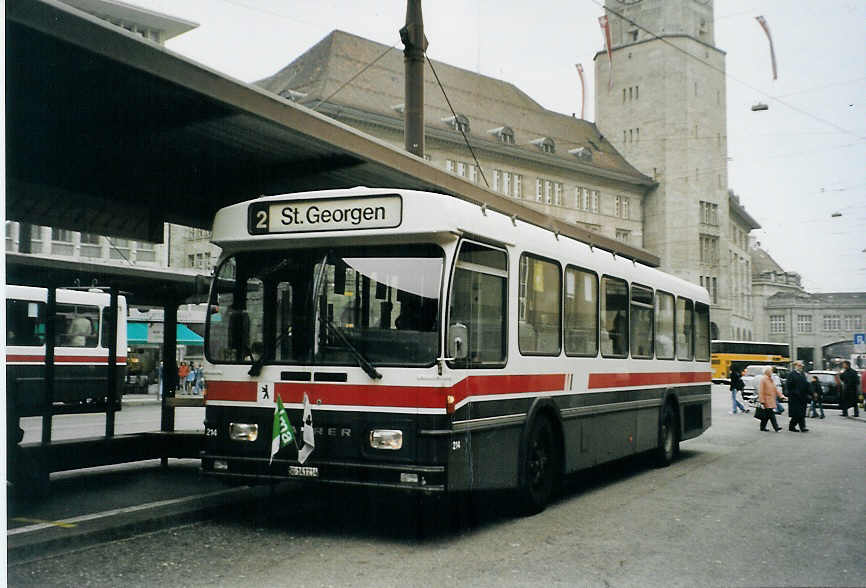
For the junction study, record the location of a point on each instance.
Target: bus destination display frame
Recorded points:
(325, 214)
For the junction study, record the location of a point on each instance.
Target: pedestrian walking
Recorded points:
(767, 395)
(159, 397)
(817, 398)
(799, 392)
(850, 384)
(198, 382)
(182, 373)
(778, 382)
(737, 385)
(189, 384)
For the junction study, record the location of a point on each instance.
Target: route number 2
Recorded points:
(262, 219)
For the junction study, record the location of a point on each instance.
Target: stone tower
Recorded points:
(662, 104)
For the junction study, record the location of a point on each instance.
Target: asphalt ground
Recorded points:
(86, 507)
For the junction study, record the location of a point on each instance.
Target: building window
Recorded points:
(503, 134)
(544, 144)
(777, 323)
(449, 166)
(548, 185)
(89, 239)
(804, 323)
(61, 235)
(518, 185)
(622, 207)
(709, 249)
(144, 251)
(459, 123)
(593, 201)
(709, 213)
(852, 322)
(539, 190)
(473, 174)
(461, 169)
(832, 322)
(623, 235)
(557, 193)
(497, 176)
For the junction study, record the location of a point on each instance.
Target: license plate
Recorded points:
(304, 472)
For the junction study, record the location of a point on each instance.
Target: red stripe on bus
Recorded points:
(619, 380)
(13, 358)
(397, 396)
(236, 391)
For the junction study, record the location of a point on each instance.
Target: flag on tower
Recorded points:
(763, 22)
(605, 30)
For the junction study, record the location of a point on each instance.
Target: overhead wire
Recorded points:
(726, 74)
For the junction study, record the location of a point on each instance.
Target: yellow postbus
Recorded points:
(729, 354)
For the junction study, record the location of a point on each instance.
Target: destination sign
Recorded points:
(325, 214)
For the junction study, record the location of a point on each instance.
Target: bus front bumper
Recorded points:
(255, 470)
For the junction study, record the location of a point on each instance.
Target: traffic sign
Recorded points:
(860, 342)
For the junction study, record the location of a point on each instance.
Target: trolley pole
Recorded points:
(50, 340)
(412, 35)
(112, 363)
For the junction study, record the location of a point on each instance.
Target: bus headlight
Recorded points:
(243, 431)
(386, 439)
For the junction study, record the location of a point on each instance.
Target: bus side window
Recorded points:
(702, 332)
(614, 317)
(76, 325)
(581, 312)
(684, 328)
(664, 325)
(25, 323)
(539, 323)
(477, 306)
(641, 314)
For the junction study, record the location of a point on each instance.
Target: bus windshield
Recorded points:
(343, 306)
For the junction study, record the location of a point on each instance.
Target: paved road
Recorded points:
(740, 508)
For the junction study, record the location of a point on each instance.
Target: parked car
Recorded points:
(750, 376)
(829, 384)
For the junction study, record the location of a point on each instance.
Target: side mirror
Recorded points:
(458, 337)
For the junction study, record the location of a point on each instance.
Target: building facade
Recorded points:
(820, 328)
(660, 99)
(497, 136)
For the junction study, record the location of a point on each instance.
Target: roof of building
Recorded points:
(326, 72)
(762, 262)
(737, 208)
(821, 299)
(113, 10)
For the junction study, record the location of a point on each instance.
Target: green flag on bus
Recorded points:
(282, 430)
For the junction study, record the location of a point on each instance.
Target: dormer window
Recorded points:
(398, 108)
(503, 134)
(582, 153)
(545, 144)
(293, 95)
(459, 123)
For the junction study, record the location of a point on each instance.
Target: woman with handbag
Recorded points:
(767, 394)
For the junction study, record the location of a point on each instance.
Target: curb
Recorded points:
(45, 539)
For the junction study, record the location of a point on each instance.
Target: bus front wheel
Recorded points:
(540, 467)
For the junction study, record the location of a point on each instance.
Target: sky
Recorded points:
(799, 167)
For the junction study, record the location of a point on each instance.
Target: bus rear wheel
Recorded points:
(540, 467)
(669, 441)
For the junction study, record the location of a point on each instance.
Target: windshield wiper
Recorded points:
(362, 361)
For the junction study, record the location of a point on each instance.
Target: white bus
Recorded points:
(441, 347)
(80, 350)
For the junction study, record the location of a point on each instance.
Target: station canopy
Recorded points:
(113, 134)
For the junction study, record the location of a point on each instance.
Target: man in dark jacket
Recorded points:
(799, 393)
(850, 383)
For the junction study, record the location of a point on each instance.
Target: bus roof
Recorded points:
(384, 215)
